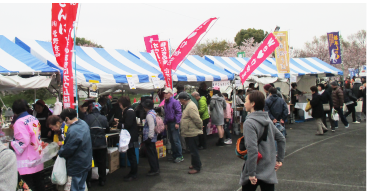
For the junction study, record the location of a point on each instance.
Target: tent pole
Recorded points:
(35, 95)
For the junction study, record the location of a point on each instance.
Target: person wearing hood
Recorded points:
(98, 126)
(356, 86)
(191, 127)
(42, 113)
(260, 172)
(8, 169)
(217, 106)
(27, 139)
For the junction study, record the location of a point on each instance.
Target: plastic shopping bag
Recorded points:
(59, 175)
(124, 141)
(359, 106)
(334, 115)
(58, 107)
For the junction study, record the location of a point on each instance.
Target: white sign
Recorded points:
(130, 80)
(93, 90)
(155, 81)
(238, 83)
(293, 79)
(222, 83)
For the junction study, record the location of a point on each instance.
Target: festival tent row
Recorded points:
(111, 66)
(19, 70)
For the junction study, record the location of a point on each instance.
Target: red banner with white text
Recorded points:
(186, 45)
(161, 51)
(265, 49)
(148, 42)
(63, 16)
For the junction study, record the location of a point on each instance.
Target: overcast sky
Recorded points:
(123, 26)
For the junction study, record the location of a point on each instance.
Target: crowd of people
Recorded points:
(81, 135)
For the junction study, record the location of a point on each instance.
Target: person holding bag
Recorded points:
(327, 103)
(263, 172)
(350, 101)
(317, 111)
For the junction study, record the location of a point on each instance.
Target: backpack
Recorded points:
(241, 151)
(98, 135)
(159, 125)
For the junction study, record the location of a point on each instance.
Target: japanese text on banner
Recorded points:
(161, 51)
(265, 49)
(148, 42)
(63, 16)
(282, 52)
(334, 48)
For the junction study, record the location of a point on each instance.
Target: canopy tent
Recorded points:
(298, 66)
(19, 70)
(193, 69)
(107, 66)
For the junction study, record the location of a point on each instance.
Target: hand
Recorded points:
(303, 92)
(59, 143)
(278, 165)
(361, 88)
(275, 120)
(253, 179)
(341, 107)
(227, 120)
(281, 121)
(177, 126)
(11, 126)
(49, 134)
(116, 120)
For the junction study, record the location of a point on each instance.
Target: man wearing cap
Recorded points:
(338, 102)
(191, 127)
(172, 119)
(204, 115)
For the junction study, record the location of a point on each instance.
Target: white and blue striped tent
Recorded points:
(15, 60)
(193, 69)
(298, 66)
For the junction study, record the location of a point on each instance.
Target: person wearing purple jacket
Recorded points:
(172, 119)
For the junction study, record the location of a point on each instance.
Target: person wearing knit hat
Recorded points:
(338, 101)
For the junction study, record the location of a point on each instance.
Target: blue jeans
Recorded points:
(226, 128)
(174, 137)
(78, 182)
(342, 117)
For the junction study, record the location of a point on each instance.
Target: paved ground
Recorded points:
(335, 161)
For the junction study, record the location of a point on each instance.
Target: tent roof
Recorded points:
(194, 68)
(298, 66)
(14, 59)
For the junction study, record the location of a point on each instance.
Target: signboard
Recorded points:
(334, 48)
(241, 54)
(238, 83)
(363, 69)
(155, 81)
(131, 82)
(282, 52)
(222, 83)
(93, 90)
(293, 79)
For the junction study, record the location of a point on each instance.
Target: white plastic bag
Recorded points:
(334, 115)
(59, 175)
(124, 141)
(58, 107)
(95, 175)
(359, 106)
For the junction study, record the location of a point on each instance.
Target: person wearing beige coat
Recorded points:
(191, 127)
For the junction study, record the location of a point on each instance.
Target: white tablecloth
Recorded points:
(302, 106)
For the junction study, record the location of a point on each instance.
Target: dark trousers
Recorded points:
(264, 186)
(152, 156)
(99, 158)
(226, 128)
(131, 155)
(202, 138)
(351, 109)
(342, 117)
(330, 120)
(34, 181)
(195, 158)
(174, 137)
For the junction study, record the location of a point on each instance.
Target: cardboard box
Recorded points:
(113, 161)
(161, 151)
(159, 144)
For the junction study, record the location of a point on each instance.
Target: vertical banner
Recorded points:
(265, 49)
(282, 52)
(63, 16)
(186, 45)
(334, 48)
(161, 51)
(148, 42)
(131, 82)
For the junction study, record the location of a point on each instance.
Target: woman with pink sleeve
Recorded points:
(25, 144)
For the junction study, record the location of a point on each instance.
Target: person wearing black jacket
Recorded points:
(356, 86)
(276, 107)
(129, 123)
(350, 101)
(42, 113)
(326, 99)
(294, 93)
(362, 94)
(317, 111)
(98, 128)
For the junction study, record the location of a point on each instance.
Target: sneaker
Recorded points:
(356, 122)
(178, 160)
(332, 130)
(347, 126)
(228, 142)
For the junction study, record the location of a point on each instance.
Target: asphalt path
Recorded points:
(334, 161)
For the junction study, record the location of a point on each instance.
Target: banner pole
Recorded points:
(195, 44)
(341, 53)
(75, 78)
(170, 54)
